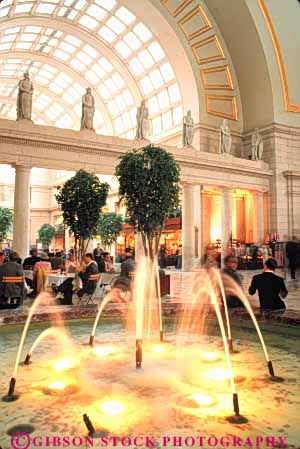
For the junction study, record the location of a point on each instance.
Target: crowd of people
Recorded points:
(40, 265)
(271, 288)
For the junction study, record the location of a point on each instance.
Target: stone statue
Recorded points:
(257, 146)
(188, 130)
(24, 99)
(88, 110)
(142, 121)
(225, 138)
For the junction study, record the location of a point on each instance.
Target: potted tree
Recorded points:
(149, 184)
(108, 228)
(46, 234)
(6, 220)
(81, 199)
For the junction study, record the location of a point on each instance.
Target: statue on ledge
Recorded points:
(257, 146)
(142, 121)
(188, 130)
(88, 110)
(225, 138)
(24, 99)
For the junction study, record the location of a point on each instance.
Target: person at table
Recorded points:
(30, 261)
(29, 264)
(271, 288)
(230, 271)
(57, 261)
(71, 265)
(40, 273)
(90, 267)
(106, 265)
(128, 265)
(12, 268)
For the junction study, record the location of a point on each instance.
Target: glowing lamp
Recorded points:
(157, 349)
(203, 400)
(61, 365)
(112, 408)
(219, 374)
(103, 351)
(210, 357)
(58, 385)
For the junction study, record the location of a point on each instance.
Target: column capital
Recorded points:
(21, 166)
(187, 185)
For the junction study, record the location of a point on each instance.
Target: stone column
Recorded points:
(226, 214)
(260, 224)
(198, 221)
(187, 227)
(21, 210)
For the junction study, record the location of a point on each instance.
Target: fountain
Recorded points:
(179, 368)
(43, 299)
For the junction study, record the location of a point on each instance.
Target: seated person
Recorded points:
(72, 265)
(12, 291)
(30, 261)
(271, 288)
(128, 264)
(57, 261)
(230, 270)
(40, 270)
(66, 287)
(106, 265)
(29, 264)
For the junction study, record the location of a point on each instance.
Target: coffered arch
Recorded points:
(143, 67)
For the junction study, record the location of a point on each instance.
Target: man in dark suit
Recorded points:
(293, 254)
(271, 288)
(66, 287)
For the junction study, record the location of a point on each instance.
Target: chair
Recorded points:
(8, 293)
(93, 283)
(107, 281)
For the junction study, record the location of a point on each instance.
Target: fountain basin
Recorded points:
(172, 393)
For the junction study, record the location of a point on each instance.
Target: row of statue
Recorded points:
(24, 108)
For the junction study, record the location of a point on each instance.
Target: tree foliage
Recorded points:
(81, 199)
(149, 184)
(46, 234)
(109, 227)
(6, 220)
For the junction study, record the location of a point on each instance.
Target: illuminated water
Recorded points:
(178, 391)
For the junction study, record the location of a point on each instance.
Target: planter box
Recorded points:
(165, 284)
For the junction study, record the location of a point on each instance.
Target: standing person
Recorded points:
(98, 255)
(271, 288)
(162, 257)
(230, 270)
(293, 254)
(179, 257)
(128, 265)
